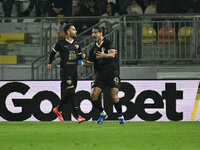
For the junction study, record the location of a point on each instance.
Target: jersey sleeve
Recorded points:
(79, 52)
(79, 49)
(111, 46)
(51, 56)
(56, 47)
(91, 56)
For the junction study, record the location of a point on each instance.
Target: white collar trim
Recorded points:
(69, 41)
(99, 45)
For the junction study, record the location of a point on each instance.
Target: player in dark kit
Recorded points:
(70, 53)
(106, 66)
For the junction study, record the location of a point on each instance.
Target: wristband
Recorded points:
(80, 63)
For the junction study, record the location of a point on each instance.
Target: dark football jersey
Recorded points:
(69, 53)
(104, 67)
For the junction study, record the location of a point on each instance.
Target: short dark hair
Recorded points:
(67, 27)
(99, 29)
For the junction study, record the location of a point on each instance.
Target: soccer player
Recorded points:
(70, 53)
(106, 66)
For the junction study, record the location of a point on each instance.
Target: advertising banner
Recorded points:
(142, 100)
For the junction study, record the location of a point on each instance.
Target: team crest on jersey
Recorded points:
(69, 81)
(116, 80)
(77, 46)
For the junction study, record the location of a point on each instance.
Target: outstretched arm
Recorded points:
(87, 63)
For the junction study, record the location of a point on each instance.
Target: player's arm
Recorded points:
(111, 54)
(81, 55)
(87, 63)
(51, 58)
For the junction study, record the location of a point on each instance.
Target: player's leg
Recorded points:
(64, 98)
(114, 89)
(66, 84)
(117, 104)
(71, 96)
(95, 92)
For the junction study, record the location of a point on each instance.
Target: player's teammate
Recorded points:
(106, 65)
(70, 53)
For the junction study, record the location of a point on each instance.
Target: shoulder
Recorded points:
(76, 41)
(106, 41)
(109, 44)
(61, 41)
(76, 44)
(93, 47)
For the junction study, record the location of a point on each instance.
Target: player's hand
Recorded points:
(83, 56)
(100, 55)
(49, 66)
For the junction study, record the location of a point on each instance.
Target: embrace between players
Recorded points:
(106, 65)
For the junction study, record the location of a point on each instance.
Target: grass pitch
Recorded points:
(108, 136)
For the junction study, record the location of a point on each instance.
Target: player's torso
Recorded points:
(104, 47)
(69, 55)
(69, 51)
(104, 66)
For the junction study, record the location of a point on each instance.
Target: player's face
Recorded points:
(96, 35)
(72, 31)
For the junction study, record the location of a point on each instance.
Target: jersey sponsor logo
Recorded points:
(65, 46)
(72, 55)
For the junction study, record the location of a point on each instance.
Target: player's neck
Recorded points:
(69, 39)
(100, 41)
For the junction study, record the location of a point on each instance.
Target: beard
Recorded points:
(73, 36)
(95, 38)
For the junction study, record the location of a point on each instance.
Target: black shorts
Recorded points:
(68, 80)
(111, 82)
